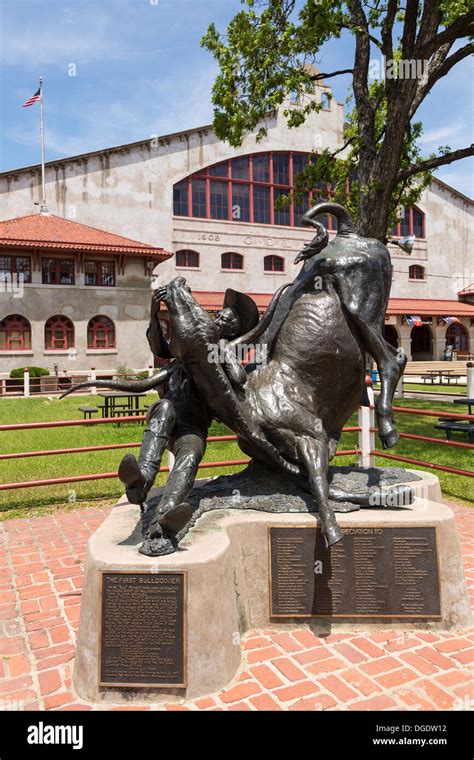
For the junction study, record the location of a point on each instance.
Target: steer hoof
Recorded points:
(389, 440)
(332, 535)
(388, 433)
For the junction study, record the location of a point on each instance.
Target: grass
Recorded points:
(40, 500)
(453, 388)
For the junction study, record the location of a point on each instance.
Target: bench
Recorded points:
(428, 377)
(451, 377)
(459, 427)
(88, 411)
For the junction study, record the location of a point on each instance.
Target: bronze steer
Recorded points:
(293, 409)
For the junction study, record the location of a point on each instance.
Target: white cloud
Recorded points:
(442, 133)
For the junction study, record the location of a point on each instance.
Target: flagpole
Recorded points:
(43, 208)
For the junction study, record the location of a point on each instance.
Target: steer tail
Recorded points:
(132, 386)
(345, 224)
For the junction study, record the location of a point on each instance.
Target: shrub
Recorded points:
(34, 372)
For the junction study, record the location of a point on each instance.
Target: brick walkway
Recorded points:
(41, 578)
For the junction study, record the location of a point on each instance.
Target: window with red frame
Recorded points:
(15, 333)
(416, 272)
(100, 333)
(457, 336)
(58, 334)
(57, 271)
(411, 223)
(273, 264)
(232, 261)
(99, 273)
(187, 258)
(13, 268)
(245, 189)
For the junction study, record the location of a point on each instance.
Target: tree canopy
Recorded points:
(264, 56)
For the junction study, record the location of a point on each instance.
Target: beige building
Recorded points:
(213, 207)
(72, 297)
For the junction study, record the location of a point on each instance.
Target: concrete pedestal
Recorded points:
(226, 559)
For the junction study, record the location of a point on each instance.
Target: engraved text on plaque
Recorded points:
(372, 572)
(143, 629)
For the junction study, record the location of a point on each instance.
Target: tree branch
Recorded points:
(439, 66)
(462, 27)
(387, 29)
(433, 163)
(360, 77)
(315, 77)
(430, 21)
(409, 28)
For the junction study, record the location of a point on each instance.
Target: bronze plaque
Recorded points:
(143, 629)
(371, 573)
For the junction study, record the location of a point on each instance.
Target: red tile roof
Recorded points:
(212, 300)
(467, 291)
(430, 307)
(53, 232)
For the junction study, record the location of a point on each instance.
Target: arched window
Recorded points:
(274, 264)
(411, 223)
(15, 333)
(457, 337)
(326, 101)
(58, 334)
(232, 261)
(416, 272)
(246, 189)
(187, 258)
(100, 333)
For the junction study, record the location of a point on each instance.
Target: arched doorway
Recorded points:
(457, 337)
(390, 334)
(421, 343)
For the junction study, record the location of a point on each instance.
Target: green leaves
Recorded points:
(263, 57)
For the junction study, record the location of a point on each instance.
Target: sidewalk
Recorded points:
(40, 585)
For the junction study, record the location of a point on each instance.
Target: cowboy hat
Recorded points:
(245, 308)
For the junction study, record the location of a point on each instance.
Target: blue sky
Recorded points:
(140, 71)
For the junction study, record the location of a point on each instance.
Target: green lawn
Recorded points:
(453, 388)
(33, 501)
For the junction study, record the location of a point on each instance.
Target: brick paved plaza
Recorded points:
(41, 561)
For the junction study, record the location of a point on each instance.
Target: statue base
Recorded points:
(224, 580)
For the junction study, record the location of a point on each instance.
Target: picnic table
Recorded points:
(115, 407)
(448, 374)
(450, 425)
(469, 402)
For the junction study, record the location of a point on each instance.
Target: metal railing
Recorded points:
(365, 452)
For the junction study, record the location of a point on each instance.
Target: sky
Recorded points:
(117, 71)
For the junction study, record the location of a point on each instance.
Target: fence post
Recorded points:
(470, 379)
(150, 370)
(26, 383)
(92, 378)
(399, 389)
(366, 436)
(170, 459)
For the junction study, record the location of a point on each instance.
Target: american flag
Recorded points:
(31, 101)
